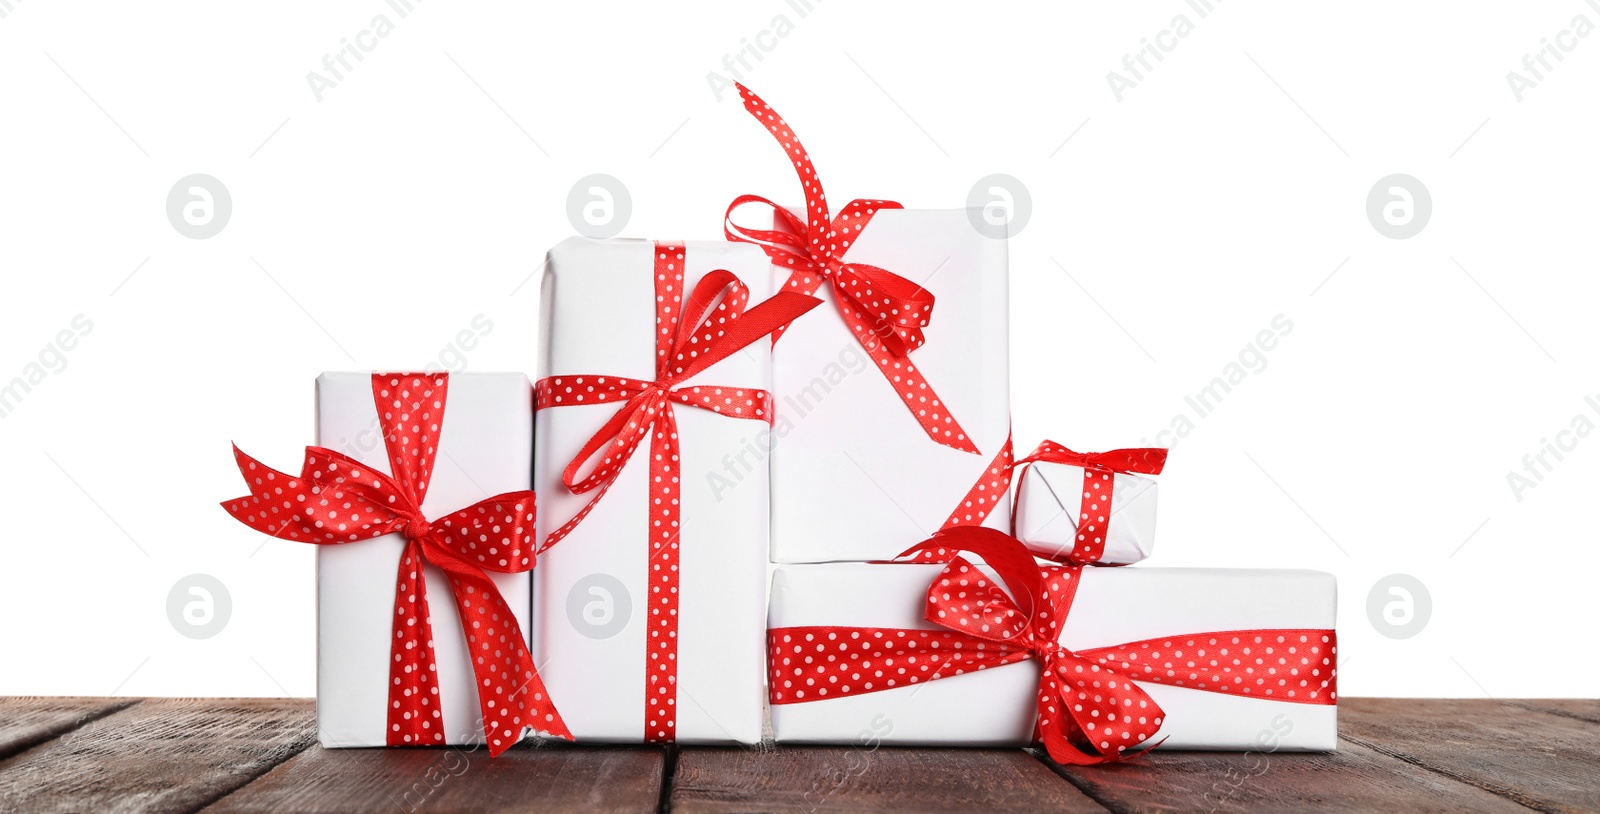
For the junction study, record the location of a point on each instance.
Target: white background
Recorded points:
(1226, 188)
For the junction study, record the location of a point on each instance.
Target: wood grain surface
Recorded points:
(832, 779)
(462, 779)
(1353, 779)
(27, 722)
(165, 755)
(1544, 761)
(224, 756)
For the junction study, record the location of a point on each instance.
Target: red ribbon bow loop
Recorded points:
(721, 327)
(1087, 712)
(713, 325)
(337, 499)
(885, 312)
(1090, 708)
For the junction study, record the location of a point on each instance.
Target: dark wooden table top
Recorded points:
(260, 755)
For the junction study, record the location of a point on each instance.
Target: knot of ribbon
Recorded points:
(884, 311)
(1090, 707)
(711, 325)
(336, 500)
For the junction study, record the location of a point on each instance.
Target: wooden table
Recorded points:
(259, 755)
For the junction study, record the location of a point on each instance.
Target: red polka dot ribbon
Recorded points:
(336, 499)
(1091, 708)
(713, 325)
(885, 312)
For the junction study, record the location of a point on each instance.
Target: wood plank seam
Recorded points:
(1087, 790)
(1493, 788)
(246, 780)
(669, 770)
(1535, 706)
(24, 746)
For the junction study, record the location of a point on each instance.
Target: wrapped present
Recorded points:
(892, 409)
(418, 502)
(1088, 508)
(1095, 663)
(651, 586)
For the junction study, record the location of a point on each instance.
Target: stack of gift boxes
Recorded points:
(783, 408)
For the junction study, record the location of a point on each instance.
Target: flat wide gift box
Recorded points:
(652, 475)
(417, 499)
(893, 403)
(1246, 659)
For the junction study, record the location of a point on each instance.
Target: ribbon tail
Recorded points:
(908, 382)
(987, 493)
(253, 509)
(511, 696)
(1062, 751)
(765, 317)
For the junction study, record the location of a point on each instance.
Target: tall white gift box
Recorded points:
(485, 442)
(855, 475)
(638, 637)
(892, 399)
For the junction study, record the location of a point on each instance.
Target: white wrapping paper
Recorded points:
(485, 447)
(590, 589)
(1048, 510)
(854, 476)
(995, 707)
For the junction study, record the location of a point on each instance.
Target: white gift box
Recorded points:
(854, 475)
(1049, 511)
(485, 448)
(996, 706)
(591, 589)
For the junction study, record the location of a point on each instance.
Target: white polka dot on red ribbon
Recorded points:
(1088, 699)
(690, 336)
(337, 499)
(986, 494)
(884, 311)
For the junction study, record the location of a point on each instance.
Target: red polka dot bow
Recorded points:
(336, 499)
(1090, 707)
(885, 312)
(712, 326)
